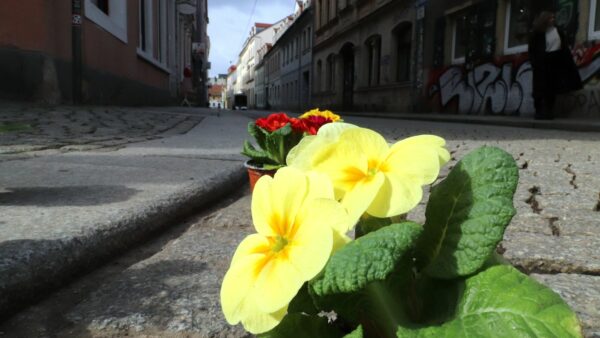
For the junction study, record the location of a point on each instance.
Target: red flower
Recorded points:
(273, 122)
(314, 123)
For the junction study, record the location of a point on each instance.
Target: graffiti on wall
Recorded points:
(586, 102)
(487, 88)
(506, 87)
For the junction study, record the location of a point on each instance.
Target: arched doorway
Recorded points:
(347, 55)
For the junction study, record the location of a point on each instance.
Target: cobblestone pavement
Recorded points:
(64, 129)
(174, 290)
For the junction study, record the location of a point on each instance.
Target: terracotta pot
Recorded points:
(255, 172)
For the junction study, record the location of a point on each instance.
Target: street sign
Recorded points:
(76, 20)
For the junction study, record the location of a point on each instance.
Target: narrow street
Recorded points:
(169, 286)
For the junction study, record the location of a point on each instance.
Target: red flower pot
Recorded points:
(256, 172)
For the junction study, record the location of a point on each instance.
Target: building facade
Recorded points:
(131, 52)
(364, 55)
(292, 84)
(476, 60)
(231, 87)
(261, 34)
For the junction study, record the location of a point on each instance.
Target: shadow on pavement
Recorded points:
(66, 196)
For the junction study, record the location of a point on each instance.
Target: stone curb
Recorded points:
(48, 264)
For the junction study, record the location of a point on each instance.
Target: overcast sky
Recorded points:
(228, 26)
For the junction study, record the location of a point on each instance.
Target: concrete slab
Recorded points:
(64, 213)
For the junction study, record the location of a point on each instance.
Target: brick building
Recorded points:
(132, 51)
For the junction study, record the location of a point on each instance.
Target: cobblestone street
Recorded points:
(64, 129)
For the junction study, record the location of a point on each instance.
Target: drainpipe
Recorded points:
(77, 63)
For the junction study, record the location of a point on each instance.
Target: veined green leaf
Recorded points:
(503, 302)
(257, 156)
(367, 259)
(258, 133)
(467, 214)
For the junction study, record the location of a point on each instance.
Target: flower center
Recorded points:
(280, 243)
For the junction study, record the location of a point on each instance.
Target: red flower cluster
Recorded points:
(273, 122)
(277, 121)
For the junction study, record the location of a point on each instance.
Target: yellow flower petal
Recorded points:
(397, 195)
(261, 206)
(278, 282)
(258, 322)
(236, 289)
(274, 207)
(357, 200)
(252, 244)
(319, 186)
(419, 164)
(288, 192)
(365, 141)
(313, 147)
(432, 141)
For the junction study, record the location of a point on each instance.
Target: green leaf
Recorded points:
(275, 144)
(467, 214)
(259, 134)
(370, 258)
(358, 333)
(503, 302)
(257, 156)
(303, 326)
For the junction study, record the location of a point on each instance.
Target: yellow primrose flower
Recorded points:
(369, 175)
(298, 223)
(322, 113)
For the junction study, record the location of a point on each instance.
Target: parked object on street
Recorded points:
(240, 102)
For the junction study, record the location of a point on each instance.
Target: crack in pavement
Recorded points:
(532, 201)
(573, 176)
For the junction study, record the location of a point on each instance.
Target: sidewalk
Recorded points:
(64, 211)
(568, 124)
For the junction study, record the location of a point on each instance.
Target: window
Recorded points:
(403, 36)
(324, 12)
(334, 9)
(309, 37)
(330, 73)
(102, 5)
(152, 39)
(594, 27)
(111, 15)
(459, 35)
(519, 20)
(373, 60)
(317, 76)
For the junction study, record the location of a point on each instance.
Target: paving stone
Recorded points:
(538, 252)
(582, 293)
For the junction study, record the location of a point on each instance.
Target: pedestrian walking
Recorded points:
(554, 71)
(186, 86)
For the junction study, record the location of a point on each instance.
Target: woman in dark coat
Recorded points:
(554, 71)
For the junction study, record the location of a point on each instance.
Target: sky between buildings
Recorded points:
(229, 25)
